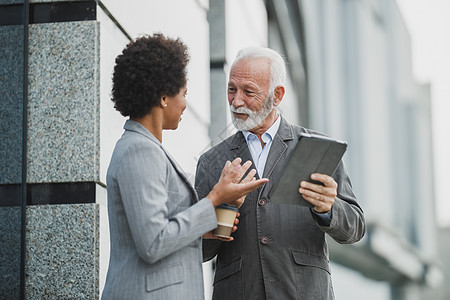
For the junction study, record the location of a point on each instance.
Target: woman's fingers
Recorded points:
(231, 168)
(250, 176)
(234, 171)
(252, 185)
(226, 169)
(241, 171)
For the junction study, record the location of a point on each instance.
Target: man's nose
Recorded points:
(238, 99)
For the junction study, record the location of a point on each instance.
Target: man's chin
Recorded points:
(240, 124)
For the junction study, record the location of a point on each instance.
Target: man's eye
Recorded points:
(249, 93)
(232, 90)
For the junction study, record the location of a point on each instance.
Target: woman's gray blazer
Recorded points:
(156, 222)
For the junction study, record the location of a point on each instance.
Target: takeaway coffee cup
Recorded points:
(226, 214)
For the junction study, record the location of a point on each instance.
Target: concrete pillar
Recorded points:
(218, 81)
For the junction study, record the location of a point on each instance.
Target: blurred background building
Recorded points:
(350, 76)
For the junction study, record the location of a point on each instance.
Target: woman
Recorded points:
(156, 219)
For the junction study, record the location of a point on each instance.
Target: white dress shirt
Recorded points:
(259, 154)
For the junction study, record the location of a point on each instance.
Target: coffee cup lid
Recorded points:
(228, 206)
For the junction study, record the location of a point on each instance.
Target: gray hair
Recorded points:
(277, 64)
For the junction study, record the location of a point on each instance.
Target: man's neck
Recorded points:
(265, 125)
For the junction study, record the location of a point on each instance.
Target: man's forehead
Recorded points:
(252, 63)
(250, 71)
(242, 83)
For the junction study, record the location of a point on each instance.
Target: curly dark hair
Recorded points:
(148, 68)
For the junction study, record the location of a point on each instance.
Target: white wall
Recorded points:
(174, 18)
(186, 20)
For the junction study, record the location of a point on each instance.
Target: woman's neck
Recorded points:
(152, 122)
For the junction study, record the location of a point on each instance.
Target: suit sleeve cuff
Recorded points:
(323, 219)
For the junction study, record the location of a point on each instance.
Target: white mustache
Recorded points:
(241, 110)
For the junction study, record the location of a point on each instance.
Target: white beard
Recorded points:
(254, 117)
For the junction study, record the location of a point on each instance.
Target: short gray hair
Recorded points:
(277, 64)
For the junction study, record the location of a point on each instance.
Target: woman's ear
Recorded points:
(278, 95)
(163, 101)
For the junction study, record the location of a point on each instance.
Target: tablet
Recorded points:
(312, 154)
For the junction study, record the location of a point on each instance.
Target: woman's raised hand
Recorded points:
(232, 188)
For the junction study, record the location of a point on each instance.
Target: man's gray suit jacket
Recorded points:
(279, 250)
(156, 223)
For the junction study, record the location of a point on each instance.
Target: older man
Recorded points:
(279, 250)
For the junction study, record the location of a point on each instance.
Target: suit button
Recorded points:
(264, 240)
(262, 202)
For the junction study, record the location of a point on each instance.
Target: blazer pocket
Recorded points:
(306, 259)
(163, 277)
(228, 270)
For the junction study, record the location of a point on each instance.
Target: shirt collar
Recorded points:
(270, 132)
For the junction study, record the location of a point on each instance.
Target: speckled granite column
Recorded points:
(63, 103)
(62, 251)
(62, 235)
(63, 147)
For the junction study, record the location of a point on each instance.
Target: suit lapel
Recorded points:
(276, 157)
(239, 148)
(137, 127)
(278, 147)
(277, 154)
(181, 174)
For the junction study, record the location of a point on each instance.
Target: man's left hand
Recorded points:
(320, 196)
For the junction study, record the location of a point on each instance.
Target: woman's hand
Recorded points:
(209, 235)
(231, 188)
(250, 177)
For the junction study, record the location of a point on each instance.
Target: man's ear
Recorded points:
(278, 95)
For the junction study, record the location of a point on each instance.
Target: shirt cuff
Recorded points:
(324, 219)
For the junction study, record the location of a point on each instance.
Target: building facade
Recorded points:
(349, 67)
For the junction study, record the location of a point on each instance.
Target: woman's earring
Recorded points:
(165, 105)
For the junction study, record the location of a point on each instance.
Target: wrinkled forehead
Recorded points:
(252, 69)
(254, 64)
